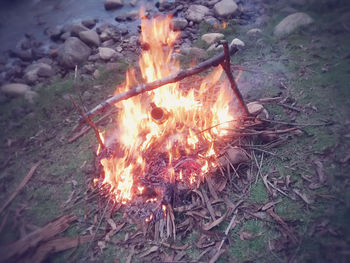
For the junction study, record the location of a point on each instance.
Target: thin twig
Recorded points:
(89, 121)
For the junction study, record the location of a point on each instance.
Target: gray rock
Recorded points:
(108, 43)
(17, 89)
(225, 8)
(113, 4)
(73, 52)
(26, 55)
(211, 21)
(291, 23)
(106, 53)
(254, 32)
(76, 29)
(90, 38)
(65, 36)
(237, 42)
(210, 38)
(54, 32)
(89, 23)
(196, 13)
(33, 71)
(179, 23)
(133, 2)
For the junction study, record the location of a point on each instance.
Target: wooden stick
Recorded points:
(212, 62)
(20, 186)
(89, 121)
(226, 64)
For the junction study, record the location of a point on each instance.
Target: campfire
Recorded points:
(166, 138)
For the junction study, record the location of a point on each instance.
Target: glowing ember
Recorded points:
(167, 122)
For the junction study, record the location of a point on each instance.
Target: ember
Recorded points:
(167, 135)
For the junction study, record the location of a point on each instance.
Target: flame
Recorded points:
(185, 120)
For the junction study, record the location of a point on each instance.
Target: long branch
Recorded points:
(212, 62)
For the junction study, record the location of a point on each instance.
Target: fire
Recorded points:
(166, 120)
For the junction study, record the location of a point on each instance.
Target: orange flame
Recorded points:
(187, 116)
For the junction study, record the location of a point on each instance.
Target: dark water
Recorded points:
(18, 17)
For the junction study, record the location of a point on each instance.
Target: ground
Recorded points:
(310, 67)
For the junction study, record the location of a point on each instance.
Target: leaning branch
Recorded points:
(212, 62)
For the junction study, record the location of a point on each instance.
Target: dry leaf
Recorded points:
(101, 245)
(319, 171)
(214, 223)
(112, 223)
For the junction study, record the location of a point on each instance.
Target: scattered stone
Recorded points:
(212, 21)
(215, 47)
(234, 156)
(254, 32)
(210, 38)
(225, 8)
(17, 89)
(108, 43)
(255, 108)
(196, 13)
(179, 23)
(54, 33)
(291, 23)
(65, 36)
(96, 74)
(89, 23)
(132, 15)
(113, 66)
(33, 71)
(237, 42)
(133, 2)
(25, 55)
(106, 53)
(90, 38)
(73, 52)
(113, 4)
(76, 29)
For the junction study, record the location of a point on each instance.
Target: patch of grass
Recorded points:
(258, 193)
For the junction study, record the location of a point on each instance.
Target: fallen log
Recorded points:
(180, 75)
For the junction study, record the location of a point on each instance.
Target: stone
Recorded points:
(254, 32)
(33, 71)
(225, 8)
(73, 52)
(291, 23)
(90, 38)
(89, 23)
(113, 4)
(96, 74)
(214, 47)
(196, 13)
(255, 108)
(30, 96)
(179, 23)
(76, 29)
(233, 156)
(133, 2)
(211, 38)
(65, 36)
(106, 53)
(25, 55)
(54, 32)
(212, 21)
(237, 42)
(108, 43)
(15, 89)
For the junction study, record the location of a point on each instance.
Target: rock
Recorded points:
(65, 36)
(76, 29)
(291, 23)
(89, 23)
(210, 38)
(237, 42)
(212, 21)
(96, 74)
(179, 23)
(108, 43)
(196, 13)
(234, 156)
(113, 4)
(214, 47)
(132, 15)
(106, 53)
(133, 2)
(90, 38)
(254, 32)
(33, 71)
(25, 55)
(225, 8)
(54, 32)
(73, 52)
(255, 108)
(113, 66)
(17, 89)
